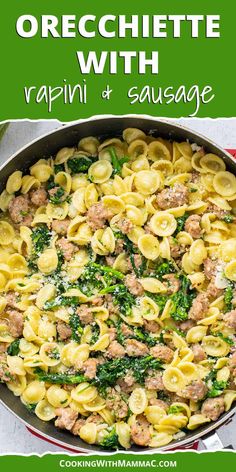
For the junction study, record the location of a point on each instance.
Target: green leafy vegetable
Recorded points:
(228, 297)
(160, 300)
(31, 407)
(215, 387)
(163, 269)
(122, 297)
(141, 335)
(76, 327)
(228, 218)
(41, 238)
(132, 250)
(117, 162)
(95, 334)
(175, 409)
(61, 301)
(79, 164)
(58, 197)
(14, 348)
(58, 168)
(182, 300)
(110, 441)
(180, 223)
(60, 378)
(110, 371)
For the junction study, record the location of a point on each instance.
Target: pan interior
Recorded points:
(48, 146)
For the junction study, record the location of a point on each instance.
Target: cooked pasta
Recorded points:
(118, 297)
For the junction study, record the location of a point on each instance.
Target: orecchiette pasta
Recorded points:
(117, 284)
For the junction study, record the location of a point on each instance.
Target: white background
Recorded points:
(14, 437)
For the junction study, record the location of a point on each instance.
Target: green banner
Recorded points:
(178, 462)
(70, 60)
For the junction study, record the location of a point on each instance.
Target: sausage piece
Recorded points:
(140, 431)
(67, 248)
(124, 225)
(63, 330)
(192, 226)
(172, 197)
(199, 307)
(133, 285)
(230, 319)
(163, 353)
(135, 348)
(19, 210)
(213, 407)
(60, 226)
(97, 215)
(115, 350)
(39, 197)
(66, 418)
(195, 391)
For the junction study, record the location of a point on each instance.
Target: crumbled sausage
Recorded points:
(154, 381)
(115, 350)
(77, 426)
(137, 260)
(192, 226)
(140, 431)
(133, 285)
(60, 226)
(11, 299)
(230, 319)
(94, 418)
(110, 260)
(53, 191)
(112, 333)
(113, 309)
(209, 268)
(199, 307)
(160, 403)
(124, 225)
(212, 290)
(172, 197)
(213, 407)
(126, 330)
(127, 382)
(67, 248)
(39, 197)
(66, 418)
(186, 325)
(163, 353)
(90, 368)
(172, 283)
(151, 326)
(119, 247)
(3, 347)
(176, 250)
(115, 403)
(85, 314)
(195, 391)
(135, 348)
(232, 361)
(97, 215)
(16, 323)
(199, 353)
(19, 210)
(97, 301)
(63, 330)
(218, 212)
(5, 373)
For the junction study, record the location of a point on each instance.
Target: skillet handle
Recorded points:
(212, 442)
